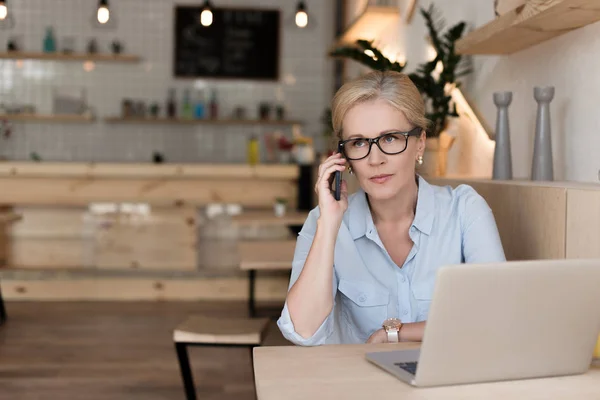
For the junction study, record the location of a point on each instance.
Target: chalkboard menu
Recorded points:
(240, 43)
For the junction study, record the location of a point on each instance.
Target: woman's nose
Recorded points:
(376, 157)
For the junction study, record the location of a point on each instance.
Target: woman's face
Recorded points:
(381, 175)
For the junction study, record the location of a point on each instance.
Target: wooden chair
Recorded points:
(264, 255)
(208, 331)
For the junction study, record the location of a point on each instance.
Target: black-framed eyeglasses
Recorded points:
(390, 143)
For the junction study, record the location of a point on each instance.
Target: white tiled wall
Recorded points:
(145, 27)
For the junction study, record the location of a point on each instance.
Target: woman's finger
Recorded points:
(323, 167)
(328, 174)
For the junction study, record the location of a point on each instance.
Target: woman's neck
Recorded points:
(397, 208)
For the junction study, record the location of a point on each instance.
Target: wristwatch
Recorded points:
(392, 327)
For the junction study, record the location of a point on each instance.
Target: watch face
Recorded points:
(392, 323)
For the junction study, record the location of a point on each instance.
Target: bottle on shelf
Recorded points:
(49, 41)
(171, 104)
(253, 150)
(200, 107)
(186, 108)
(214, 106)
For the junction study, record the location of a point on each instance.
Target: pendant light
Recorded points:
(6, 17)
(3, 10)
(103, 14)
(206, 16)
(301, 18)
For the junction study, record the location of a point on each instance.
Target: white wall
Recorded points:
(569, 62)
(146, 28)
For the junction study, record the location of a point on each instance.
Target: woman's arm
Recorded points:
(307, 313)
(310, 300)
(411, 332)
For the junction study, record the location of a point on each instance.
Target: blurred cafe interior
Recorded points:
(158, 159)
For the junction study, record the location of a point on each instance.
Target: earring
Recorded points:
(420, 160)
(350, 170)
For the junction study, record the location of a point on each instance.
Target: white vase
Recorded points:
(279, 209)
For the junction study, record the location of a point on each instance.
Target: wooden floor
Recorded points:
(116, 351)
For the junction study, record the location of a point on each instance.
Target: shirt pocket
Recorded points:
(364, 306)
(422, 292)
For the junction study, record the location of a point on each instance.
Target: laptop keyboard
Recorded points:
(410, 367)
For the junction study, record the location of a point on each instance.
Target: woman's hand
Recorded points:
(379, 336)
(329, 207)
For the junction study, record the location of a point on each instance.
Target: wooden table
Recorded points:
(264, 255)
(342, 372)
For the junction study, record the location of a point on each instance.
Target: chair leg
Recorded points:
(186, 372)
(252, 366)
(2, 309)
(251, 293)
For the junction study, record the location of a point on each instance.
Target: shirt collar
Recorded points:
(361, 221)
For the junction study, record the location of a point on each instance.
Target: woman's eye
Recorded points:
(389, 139)
(358, 143)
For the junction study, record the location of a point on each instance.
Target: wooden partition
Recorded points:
(542, 220)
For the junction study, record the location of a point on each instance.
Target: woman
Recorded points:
(374, 255)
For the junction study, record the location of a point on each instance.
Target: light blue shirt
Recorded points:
(451, 226)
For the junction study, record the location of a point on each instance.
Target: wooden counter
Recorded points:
(342, 372)
(44, 183)
(62, 227)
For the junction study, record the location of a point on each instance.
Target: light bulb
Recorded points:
(3, 11)
(301, 19)
(103, 14)
(206, 17)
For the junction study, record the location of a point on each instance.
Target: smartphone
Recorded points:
(338, 185)
(337, 189)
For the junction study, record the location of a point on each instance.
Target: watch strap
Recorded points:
(392, 335)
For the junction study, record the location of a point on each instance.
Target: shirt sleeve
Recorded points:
(285, 324)
(480, 238)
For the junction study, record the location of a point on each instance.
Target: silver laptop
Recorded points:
(504, 321)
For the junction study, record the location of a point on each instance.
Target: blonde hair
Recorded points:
(394, 87)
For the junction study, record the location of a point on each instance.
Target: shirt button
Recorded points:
(362, 298)
(404, 312)
(402, 279)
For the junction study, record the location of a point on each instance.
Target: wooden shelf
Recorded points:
(528, 25)
(180, 121)
(120, 58)
(47, 118)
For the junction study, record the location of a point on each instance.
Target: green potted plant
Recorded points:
(434, 86)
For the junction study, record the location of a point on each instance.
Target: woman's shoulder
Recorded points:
(462, 198)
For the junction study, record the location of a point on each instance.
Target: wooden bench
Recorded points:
(264, 255)
(6, 218)
(208, 331)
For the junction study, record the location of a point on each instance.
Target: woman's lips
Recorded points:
(380, 178)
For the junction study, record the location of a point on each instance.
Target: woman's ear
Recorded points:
(422, 142)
